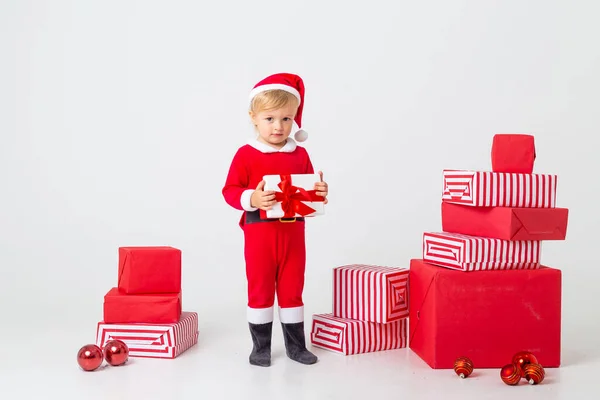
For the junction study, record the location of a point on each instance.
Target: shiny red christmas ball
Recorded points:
(510, 374)
(534, 373)
(522, 359)
(463, 367)
(116, 352)
(89, 357)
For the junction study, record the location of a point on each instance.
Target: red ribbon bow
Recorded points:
(292, 197)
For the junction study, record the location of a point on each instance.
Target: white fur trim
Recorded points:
(260, 315)
(245, 200)
(291, 315)
(273, 86)
(265, 148)
(301, 135)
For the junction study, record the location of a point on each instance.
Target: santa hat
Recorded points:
(290, 83)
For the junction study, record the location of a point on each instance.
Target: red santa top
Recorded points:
(256, 159)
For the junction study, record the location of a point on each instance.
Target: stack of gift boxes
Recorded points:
(480, 289)
(370, 311)
(145, 308)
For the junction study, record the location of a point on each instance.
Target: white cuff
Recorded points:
(291, 315)
(260, 315)
(245, 200)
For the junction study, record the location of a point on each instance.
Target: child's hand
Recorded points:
(262, 199)
(322, 188)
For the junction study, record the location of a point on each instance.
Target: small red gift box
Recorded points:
(351, 336)
(507, 223)
(488, 316)
(473, 253)
(152, 340)
(160, 308)
(295, 195)
(513, 153)
(370, 292)
(499, 189)
(150, 269)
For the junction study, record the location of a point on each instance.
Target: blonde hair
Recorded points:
(272, 100)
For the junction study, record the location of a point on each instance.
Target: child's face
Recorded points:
(274, 126)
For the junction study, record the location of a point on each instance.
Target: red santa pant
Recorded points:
(275, 256)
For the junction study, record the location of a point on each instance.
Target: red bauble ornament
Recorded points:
(534, 373)
(522, 359)
(116, 352)
(463, 367)
(510, 374)
(89, 357)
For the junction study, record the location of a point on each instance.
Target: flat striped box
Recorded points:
(370, 292)
(350, 336)
(499, 189)
(473, 253)
(153, 340)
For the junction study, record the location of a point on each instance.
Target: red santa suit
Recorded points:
(274, 250)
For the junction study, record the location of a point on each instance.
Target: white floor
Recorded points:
(40, 363)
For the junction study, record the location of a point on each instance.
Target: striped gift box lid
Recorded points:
(153, 340)
(374, 293)
(499, 189)
(472, 253)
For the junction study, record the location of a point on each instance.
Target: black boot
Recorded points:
(293, 336)
(261, 340)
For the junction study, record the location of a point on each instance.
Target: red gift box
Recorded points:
(151, 269)
(370, 292)
(473, 253)
(351, 336)
(488, 316)
(507, 223)
(513, 153)
(152, 340)
(499, 189)
(159, 308)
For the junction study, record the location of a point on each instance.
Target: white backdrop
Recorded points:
(119, 119)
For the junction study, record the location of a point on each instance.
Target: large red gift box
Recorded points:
(507, 223)
(513, 152)
(150, 269)
(487, 316)
(474, 253)
(159, 308)
(370, 292)
(153, 340)
(351, 336)
(498, 189)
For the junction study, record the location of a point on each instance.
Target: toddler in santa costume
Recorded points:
(274, 249)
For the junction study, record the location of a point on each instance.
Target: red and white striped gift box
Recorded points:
(350, 336)
(370, 292)
(153, 340)
(473, 253)
(499, 189)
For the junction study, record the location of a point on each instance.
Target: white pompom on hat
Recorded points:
(290, 83)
